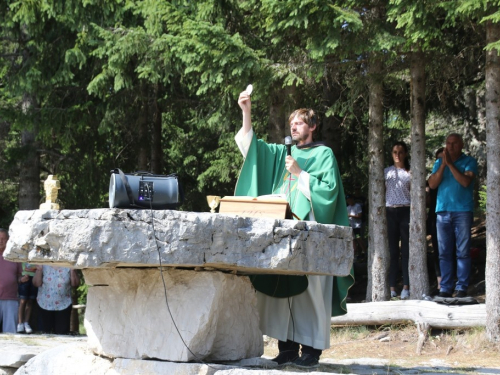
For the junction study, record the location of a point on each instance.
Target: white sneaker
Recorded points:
(393, 294)
(20, 328)
(405, 294)
(27, 327)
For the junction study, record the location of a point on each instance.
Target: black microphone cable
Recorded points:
(164, 285)
(288, 144)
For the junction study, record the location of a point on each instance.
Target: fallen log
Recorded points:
(434, 314)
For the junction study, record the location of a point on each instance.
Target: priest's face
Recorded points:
(301, 132)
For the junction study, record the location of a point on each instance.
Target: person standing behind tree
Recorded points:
(355, 214)
(431, 227)
(454, 174)
(397, 202)
(10, 273)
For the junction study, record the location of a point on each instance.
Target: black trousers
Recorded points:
(54, 321)
(431, 229)
(398, 229)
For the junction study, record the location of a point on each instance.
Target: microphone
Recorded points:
(288, 144)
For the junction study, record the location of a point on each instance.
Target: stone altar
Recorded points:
(202, 256)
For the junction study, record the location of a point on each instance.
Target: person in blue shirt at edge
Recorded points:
(296, 310)
(454, 174)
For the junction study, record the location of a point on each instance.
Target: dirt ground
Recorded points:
(397, 346)
(454, 348)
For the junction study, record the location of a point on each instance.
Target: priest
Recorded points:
(296, 310)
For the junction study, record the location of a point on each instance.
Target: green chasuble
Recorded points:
(264, 172)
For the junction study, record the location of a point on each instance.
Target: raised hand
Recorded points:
(244, 102)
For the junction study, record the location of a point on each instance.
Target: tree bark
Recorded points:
(417, 266)
(378, 252)
(29, 174)
(493, 183)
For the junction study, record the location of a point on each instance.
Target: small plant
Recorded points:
(482, 198)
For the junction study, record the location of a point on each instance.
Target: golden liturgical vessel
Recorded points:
(213, 202)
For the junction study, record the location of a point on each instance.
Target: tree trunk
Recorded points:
(378, 253)
(143, 132)
(283, 104)
(331, 130)
(156, 149)
(417, 266)
(493, 183)
(29, 174)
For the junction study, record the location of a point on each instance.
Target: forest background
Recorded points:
(92, 85)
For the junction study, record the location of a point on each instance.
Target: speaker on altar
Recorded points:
(144, 190)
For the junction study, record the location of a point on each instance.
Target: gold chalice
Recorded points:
(213, 202)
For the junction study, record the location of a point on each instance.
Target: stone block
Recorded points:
(213, 314)
(75, 359)
(108, 238)
(15, 355)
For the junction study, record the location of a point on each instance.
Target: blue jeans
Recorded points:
(453, 230)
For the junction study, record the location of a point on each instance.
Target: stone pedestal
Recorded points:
(129, 315)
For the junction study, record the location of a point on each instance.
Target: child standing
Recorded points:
(27, 294)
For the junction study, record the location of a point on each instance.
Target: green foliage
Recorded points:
(482, 198)
(104, 73)
(419, 20)
(82, 292)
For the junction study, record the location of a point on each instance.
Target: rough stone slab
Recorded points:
(294, 371)
(261, 362)
(75, 359)
(8, 370)
(17, 349)
(117, 237)
(15, 356)
(125, 366)
(215, 312)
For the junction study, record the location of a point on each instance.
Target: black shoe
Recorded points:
(444, 295)
(286, 357)
(435, 292)
(307, 361)
(460, 294)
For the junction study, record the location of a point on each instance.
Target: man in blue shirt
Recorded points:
(454, 174)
